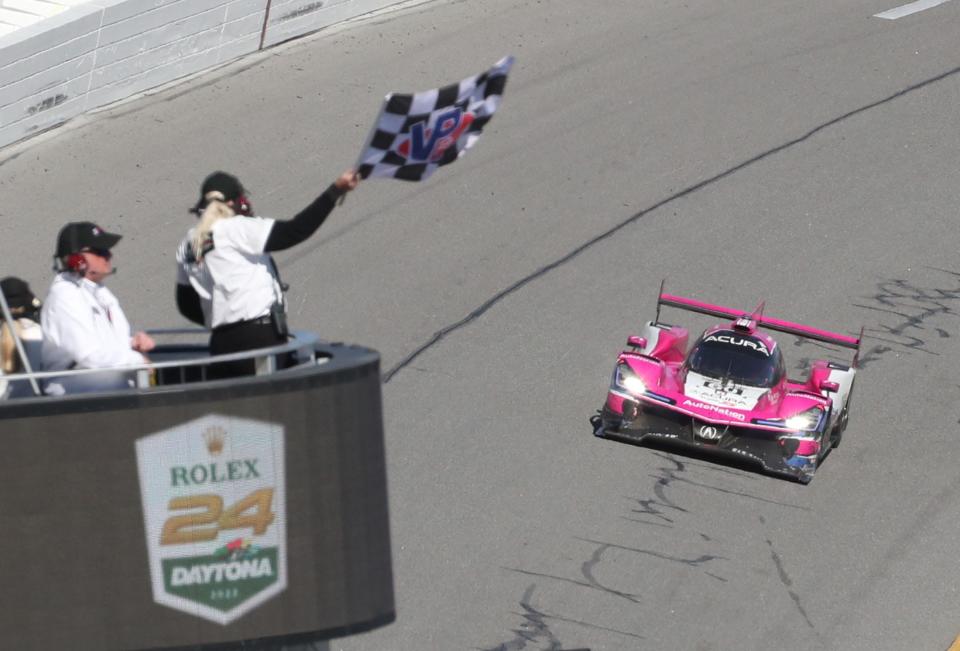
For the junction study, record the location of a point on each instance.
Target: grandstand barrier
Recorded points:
(190, 513)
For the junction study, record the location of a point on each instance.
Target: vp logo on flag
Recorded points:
(416, 133)
(428, 143)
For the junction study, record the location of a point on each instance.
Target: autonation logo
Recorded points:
(717, 410)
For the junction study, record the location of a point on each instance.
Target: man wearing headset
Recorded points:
(83, 325)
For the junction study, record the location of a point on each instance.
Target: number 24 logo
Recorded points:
(253, 511)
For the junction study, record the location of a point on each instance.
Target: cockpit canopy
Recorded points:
(737, 357)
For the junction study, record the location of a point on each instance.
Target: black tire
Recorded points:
(597, 423)
(837, 434)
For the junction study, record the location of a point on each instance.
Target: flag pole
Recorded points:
(367, 141)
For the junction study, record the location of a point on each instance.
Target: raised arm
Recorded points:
(288, 233)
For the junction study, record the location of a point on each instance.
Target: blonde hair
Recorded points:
(216, 210)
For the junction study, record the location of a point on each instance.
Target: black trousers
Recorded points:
(241, 336)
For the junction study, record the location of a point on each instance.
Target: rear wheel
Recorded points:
(841, 425)
(837, 434)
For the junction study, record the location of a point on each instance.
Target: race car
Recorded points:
(729, 393)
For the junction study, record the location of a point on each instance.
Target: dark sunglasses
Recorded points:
(103, 253)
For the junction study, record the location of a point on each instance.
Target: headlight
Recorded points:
(806, 421)
(625, 378)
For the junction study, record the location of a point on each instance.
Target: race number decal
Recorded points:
(214, 507)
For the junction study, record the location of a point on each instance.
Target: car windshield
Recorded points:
(739, 358)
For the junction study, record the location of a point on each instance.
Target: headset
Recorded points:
(74, 262)
(241, 206)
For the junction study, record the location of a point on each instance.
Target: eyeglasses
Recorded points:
(103, 253)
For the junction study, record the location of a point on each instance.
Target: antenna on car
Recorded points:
(656, 320)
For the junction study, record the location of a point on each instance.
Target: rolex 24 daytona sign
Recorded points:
(215, 513)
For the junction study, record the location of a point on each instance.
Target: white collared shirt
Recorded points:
(84, 327)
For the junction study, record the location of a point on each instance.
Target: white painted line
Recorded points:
(912, 8)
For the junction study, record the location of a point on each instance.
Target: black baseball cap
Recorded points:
(79, 236)
(18, 294)
(226, 184)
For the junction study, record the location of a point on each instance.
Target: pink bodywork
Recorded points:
(662, 371)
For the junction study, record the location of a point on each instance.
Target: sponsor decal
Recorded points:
(723, 388)
(214, 507)
(715, 409)
(428, 143)
(722, 393)
(733, 340)
(746, 453)
(639, 435)
(664, 435)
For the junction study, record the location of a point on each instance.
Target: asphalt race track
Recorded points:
(802, 153)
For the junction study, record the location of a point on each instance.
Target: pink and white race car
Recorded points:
(729, 394)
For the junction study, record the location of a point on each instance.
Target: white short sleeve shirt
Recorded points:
(236, 279)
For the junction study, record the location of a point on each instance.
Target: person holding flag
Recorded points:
(227, 279)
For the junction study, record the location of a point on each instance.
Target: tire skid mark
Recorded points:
(649, 507)
(535, 627)
(671, 475)
(647, 522)
(689, 562)
(788, 583)
(914, 306)
(595, 559)
(632, 598)
(484, 307)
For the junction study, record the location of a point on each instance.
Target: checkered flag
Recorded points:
(415, 134)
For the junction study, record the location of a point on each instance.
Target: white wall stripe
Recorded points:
(912, 8)
(89, 53)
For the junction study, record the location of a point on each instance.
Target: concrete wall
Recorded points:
(102, 51)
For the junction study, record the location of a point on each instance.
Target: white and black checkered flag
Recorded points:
(415, 134)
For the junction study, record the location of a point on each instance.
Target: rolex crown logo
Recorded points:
(215, 438)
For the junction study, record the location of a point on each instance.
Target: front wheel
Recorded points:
(597, 423)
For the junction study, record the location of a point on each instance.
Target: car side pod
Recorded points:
(193, 513)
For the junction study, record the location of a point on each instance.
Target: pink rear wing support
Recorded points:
(693, 305)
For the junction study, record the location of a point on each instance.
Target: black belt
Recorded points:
(263, 320)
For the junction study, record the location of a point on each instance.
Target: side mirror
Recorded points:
(636, 342)
(831, 387)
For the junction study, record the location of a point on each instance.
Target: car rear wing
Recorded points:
(807, 332)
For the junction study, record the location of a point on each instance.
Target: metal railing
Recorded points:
(299, 351)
